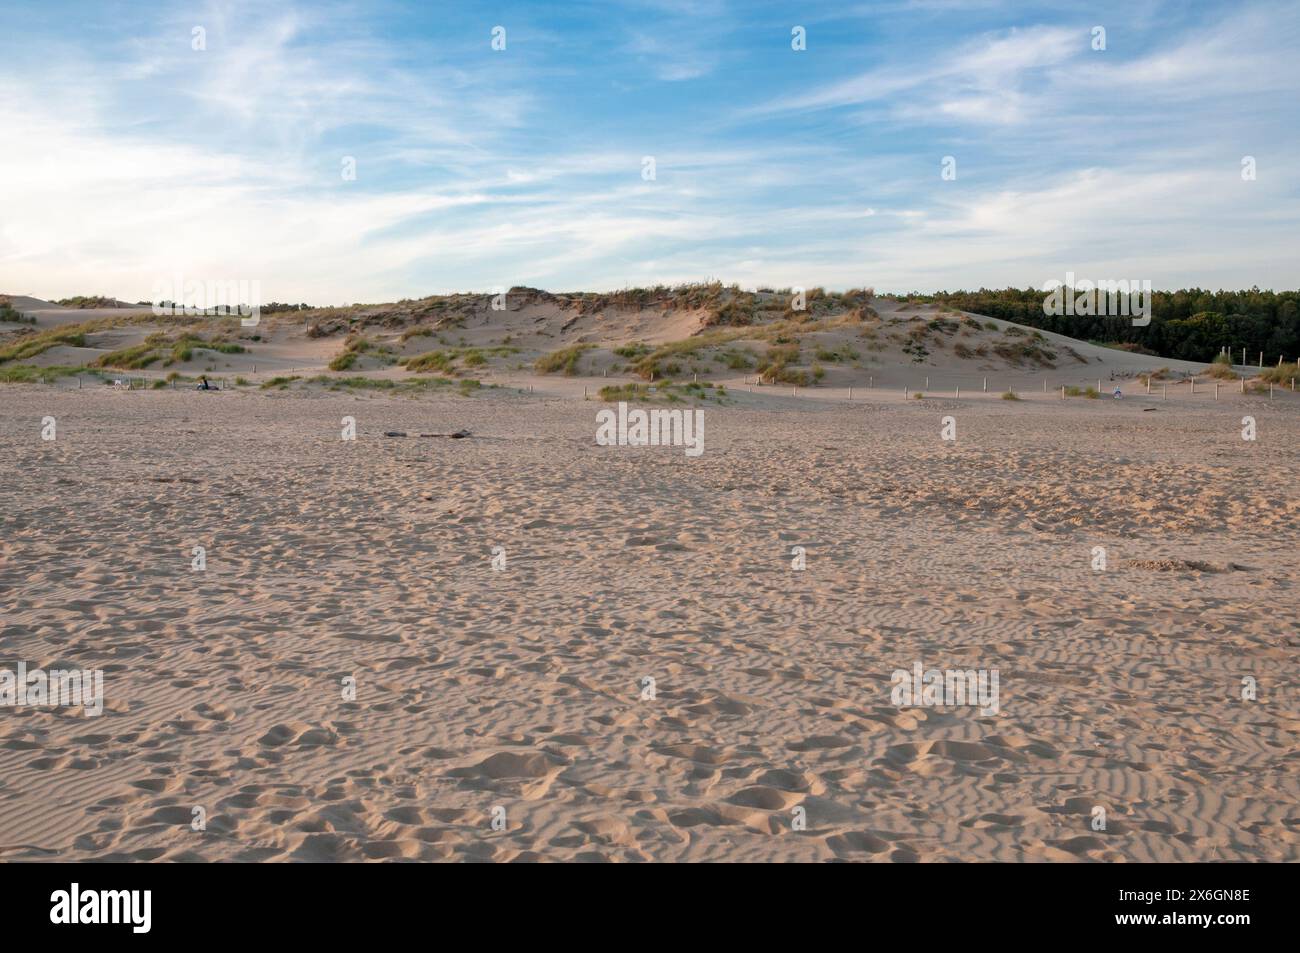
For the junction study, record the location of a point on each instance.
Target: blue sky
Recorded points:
(131, 157)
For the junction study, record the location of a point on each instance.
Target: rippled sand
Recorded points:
(523, 689)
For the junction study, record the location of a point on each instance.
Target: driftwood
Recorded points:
(458, 435)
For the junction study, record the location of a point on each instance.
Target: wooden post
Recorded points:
(1216, 390)
(1044, 385)
(986, 385)
(1162, 392)
(959, 391)
(850, 393)
(1261, 359)
(904, 393)
(927, 383)
(871, 382)
(1243, 383)
(1148, 383)
(1193, 385)
(1062, 392)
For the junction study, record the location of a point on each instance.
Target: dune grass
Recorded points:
(31, 374)
(31, 345)
(564, 360)
(1281, 374)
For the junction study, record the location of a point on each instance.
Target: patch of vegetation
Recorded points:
(30, 345)
(633, 351)
(420, 331)
(1220, 371)
(1010, 395)
(738, 360)
(280, 383)
(671, 393)
(31, 374)
(9, 313)
(354, 346)
(564, 360)
(88, 301)
(441, 361)
(1282, 374)
(1017, 352)
(844, 353)
(915, 348)
(130, 358)
(776, 366)
(158, 346)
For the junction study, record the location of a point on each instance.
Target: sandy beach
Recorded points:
(504, 714)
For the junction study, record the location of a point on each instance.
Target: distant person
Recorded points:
(1118, 392)
(203, 382)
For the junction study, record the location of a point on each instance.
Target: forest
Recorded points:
(1190, 324)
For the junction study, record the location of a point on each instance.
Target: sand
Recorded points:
(771, 734)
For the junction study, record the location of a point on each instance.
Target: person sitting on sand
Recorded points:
(203, 383)
(1118, 393)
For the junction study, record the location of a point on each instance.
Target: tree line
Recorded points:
(1191, 324)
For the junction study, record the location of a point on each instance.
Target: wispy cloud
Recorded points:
(132, 156)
